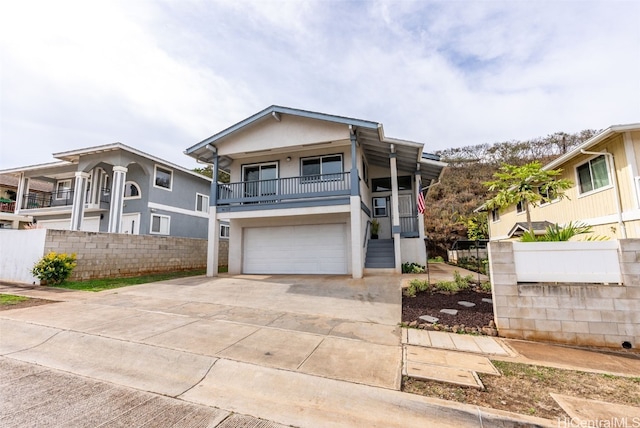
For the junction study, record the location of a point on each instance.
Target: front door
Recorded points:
(130, 223)
(407, 213)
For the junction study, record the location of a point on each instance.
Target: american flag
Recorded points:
(420, 200)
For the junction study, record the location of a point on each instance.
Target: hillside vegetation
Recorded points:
(461, 189)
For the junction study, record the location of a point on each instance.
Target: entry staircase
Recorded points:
(380, 254)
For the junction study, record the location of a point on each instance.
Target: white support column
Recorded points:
(357, 249)
(117, 198)
(77, 209)
(395, 211)
(21, 191)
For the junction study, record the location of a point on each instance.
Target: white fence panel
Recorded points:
(590, 261)
(19, 251)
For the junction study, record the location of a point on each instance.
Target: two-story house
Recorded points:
(113, 188)
(306, 188)
(605, 171)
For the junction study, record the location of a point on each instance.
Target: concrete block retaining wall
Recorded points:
(104, 255)
(585, 314)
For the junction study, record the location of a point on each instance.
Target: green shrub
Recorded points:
(462, 283)
(412, 268)
(447, 286)
(486, 286)
(54, 268)
(415, 286)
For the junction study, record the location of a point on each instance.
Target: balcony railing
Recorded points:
(7, 207)
(409, 226)
(281, 190)
(61, 198)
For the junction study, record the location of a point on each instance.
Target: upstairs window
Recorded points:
(495, 215)
(520, 207)
(202, 203)
(163, 177)
(63, 189)
(322, 168)
(593, 174)
(131, 190)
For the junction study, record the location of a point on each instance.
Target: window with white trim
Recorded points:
(593, 174)
(163, 177)
(160, 224)
(380, 207)
(495, 215)
(132, 190)
(224, 230)
(321, 168)
(520, 207)
(63, 189)
(202, 203)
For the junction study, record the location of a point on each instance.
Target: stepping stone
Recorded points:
(487, 300)
(466, 304)
(449, 311)
(429, 318)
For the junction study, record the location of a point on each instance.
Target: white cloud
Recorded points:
(160, 76)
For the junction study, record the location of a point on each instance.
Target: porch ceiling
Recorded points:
(408, 154)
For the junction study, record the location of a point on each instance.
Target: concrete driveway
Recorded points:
(333, 327)
(297, 350)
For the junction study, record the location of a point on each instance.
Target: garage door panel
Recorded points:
(295, 249)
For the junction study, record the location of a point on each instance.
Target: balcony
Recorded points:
(63, 198)
(7, 206)
(316, 190)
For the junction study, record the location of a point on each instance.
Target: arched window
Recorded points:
(132, 190)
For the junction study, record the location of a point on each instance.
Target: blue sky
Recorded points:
(162, 75)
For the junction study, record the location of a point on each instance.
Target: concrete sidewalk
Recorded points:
(456, 359)
(295, 351)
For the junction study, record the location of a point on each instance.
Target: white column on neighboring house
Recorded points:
(213, 234)
(395, 211)
(79, 192)
(21, 191)
(357, 244)
(117, 198)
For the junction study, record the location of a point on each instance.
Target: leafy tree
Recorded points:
(528, 185)
(207, 171)
(477, 227)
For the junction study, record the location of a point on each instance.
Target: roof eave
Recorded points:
(612, 130)
(279, 110)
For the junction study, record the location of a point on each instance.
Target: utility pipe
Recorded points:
(611, 163)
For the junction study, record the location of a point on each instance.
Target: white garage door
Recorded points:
(307, 249)
(89, 224)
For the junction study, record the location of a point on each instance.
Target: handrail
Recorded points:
(366, 233)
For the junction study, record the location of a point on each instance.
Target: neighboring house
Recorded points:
(606, 191)
(305, 188)
(114, 188)
(8, 192)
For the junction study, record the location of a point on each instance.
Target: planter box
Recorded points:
(572, 262)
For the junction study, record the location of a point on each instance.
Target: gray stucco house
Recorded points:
(114, 188)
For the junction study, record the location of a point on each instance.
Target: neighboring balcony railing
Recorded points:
(281, 190)
(61, 198)
(7, 207)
